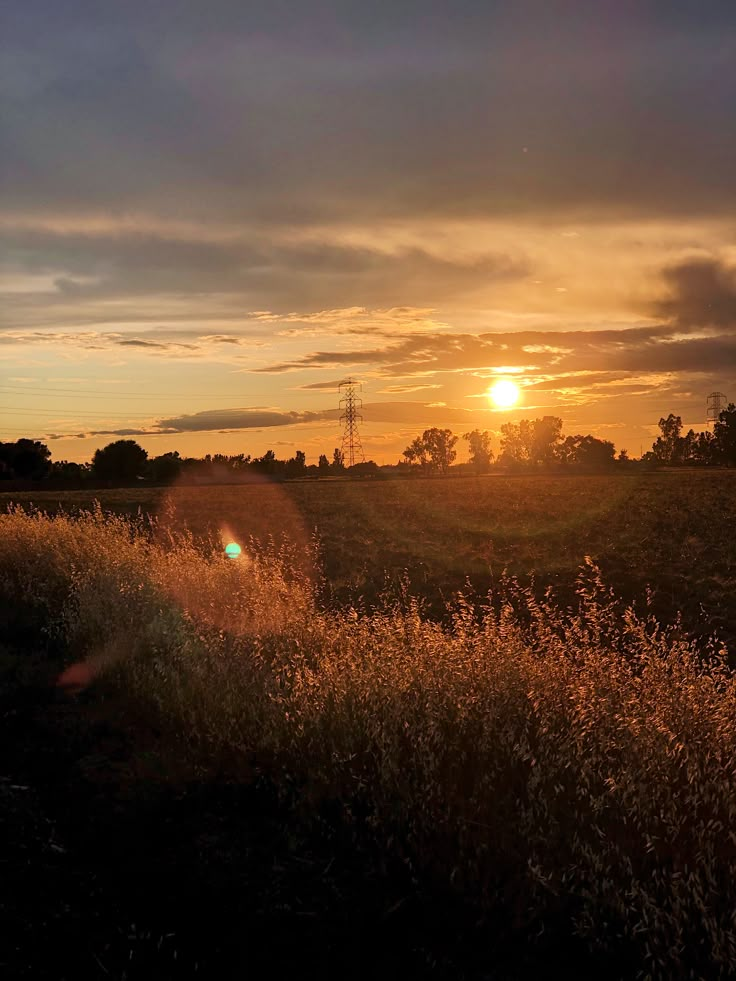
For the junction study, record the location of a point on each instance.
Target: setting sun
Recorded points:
(504, 393)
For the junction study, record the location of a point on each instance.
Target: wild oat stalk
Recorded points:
(578, 763)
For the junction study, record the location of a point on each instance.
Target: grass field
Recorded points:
(485, 789)
(672, 532)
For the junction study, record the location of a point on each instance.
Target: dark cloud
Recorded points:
(409, 413)
(709, 355)
(279, 277)
(111, 432)
(183, 170)
(134, 342)
(325, 359)
(702, 293)
(223, 339)
(226, 419)
(318, 112)
(651, 348)
(428, 353)
(330, 386)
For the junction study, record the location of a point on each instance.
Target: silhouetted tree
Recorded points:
(587, 451)
(546, 435)
(516, 443)
(323, 464)
(433, 450)
(479, 445)
(297, 465)
(164, 469)
(68, 470)
(531, 443)
(668, 448)
(704, 450)
(338, 461)
(724, 436)
(368, 468)
(417, 453)
(235, 463)
(27, 459)
(122, 460)
(266, 463)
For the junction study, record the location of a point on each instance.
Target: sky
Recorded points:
(212, 213)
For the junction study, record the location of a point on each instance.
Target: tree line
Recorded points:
(539, 444)
(529, 445)
(703, 449)
(125, 461)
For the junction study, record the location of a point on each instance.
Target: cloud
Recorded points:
(702, 293)
(621, 108)
(236, 419)
(127, 432)
(427, 354)
(352, 320)
(409, 413)
(257, 272)
(248, 418)
(135, 342)
(331, 386)
(171, 342)
(400, 190)
(406, 389)
(652, 348)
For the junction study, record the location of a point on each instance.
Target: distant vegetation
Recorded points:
(531, 445)
(558, 770)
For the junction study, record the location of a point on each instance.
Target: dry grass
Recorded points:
(664, 530)
(577, 765)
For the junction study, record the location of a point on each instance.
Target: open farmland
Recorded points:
(242, 770)
(671, 532)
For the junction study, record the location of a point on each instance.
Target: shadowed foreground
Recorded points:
(248, 772)
(113, 869)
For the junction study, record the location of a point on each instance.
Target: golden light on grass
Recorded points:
(504, 393)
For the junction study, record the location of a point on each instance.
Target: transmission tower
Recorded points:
(716, 403)
(350, 406)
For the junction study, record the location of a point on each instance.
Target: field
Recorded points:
(669, 532)
(335, 756)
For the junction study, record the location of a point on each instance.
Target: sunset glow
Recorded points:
(504, 394)
(210, 222)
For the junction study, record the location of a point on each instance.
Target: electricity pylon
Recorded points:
(350, 405)
(716, 403)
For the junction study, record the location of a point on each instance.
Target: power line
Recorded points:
(87, 393)
(95, 415)
(24, 433)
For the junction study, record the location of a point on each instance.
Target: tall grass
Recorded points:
(549, 766)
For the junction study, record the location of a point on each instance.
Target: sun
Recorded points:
(504, 393)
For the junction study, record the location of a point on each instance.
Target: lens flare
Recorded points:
(233, 550)
(504, 393)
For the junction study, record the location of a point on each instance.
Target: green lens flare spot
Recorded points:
(232, 550)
